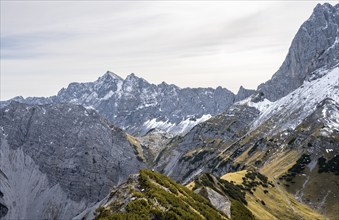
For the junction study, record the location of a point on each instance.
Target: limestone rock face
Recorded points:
(243, 93)
(316, 45)
(220, 202)
(57, 159)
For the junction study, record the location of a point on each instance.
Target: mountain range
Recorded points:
(138, 106)
(269, 153)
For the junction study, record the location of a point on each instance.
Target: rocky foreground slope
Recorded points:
(245, 195)
(150, 195)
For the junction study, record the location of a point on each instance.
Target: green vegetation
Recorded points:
(239, 211)
(271, 202)
(162, 198)
(221, 186)
(256, 145)
(331, 166)
(137, 147)
(237, 152)
(229, 189)
(297, 168)
(194, 157)
(291, 141)
(253, 179)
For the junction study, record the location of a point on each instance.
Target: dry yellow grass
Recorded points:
(191, 185)
(280, 163)
(278, 203)
(136, 146)
(235, 177)
(249, 160)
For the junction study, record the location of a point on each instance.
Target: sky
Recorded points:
(45, 45)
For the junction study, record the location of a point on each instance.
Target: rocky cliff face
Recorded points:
(316, 45)
(138, 106)
(57, 159)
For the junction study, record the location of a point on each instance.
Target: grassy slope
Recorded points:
(137, 147)
(276, 203)
(238, 209)
(155, 196)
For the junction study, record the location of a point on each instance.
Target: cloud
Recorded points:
(30, 45)
(187, 43)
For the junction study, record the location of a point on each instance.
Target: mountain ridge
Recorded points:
(139, 106)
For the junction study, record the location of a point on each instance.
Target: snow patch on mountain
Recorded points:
(290, 110)
(180, 128)
(163, 125)
(108, 95)
(330, 119)
(188, 124)
(262, 105)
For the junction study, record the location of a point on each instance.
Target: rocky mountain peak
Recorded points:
(139, 106)
(112, 75)
(243, 93)
(324, 8)
(133, 78)
(109, 77)
(316, 45)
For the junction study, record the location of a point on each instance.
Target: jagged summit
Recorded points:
(112, 75)
(316, 45)
(243, 93)
(139, 106)
(132, 77)
(108, 78)
(326, 7)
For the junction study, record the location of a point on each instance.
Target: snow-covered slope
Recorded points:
(173, 128)
(289, 111)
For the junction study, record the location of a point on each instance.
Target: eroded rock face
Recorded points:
(220, 202)
(316, 45)
(56, 159)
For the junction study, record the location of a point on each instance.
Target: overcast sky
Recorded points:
(47, 45)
